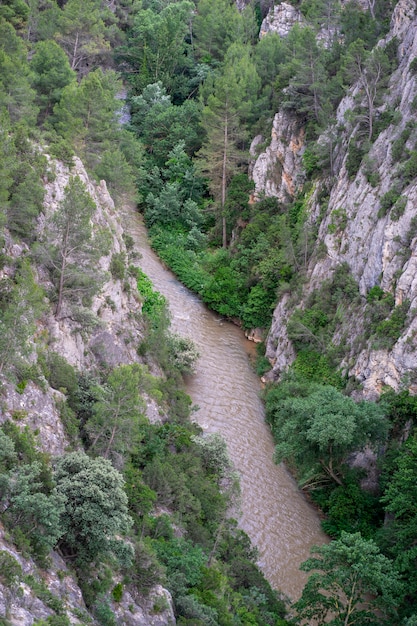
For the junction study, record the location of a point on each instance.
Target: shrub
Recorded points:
(375, 293)
(389, 331)
(398, 209)
(413, 66)
(60, 374)
(118, 265)
(10, 569)
(387, 201)
(354, 158)
(103, 613)
(409, 170)
(117, 592)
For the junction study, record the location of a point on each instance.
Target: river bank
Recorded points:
(277, 517)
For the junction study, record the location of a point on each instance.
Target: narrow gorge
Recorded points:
(226, 394)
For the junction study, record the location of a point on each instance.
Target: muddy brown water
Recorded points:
(273, 511)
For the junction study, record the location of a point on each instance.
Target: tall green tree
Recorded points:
(16, 93)
(216, 25)
(161, 125)
(221, 155)
(353, 583)
(96, 512)
(52, 73)
(86, 114)
(72, 250)
(36, 513)
(83, 32)
(21, 305)
(370, 70)
(399, 533)
(308, 91)
(320, 429)
(113, 428)
(156, 48)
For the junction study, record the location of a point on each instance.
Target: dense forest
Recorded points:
(161, 99)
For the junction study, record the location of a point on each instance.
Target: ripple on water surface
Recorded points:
(274, 513)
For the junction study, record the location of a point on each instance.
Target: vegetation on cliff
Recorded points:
(200, 85)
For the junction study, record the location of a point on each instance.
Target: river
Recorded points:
(274, 513)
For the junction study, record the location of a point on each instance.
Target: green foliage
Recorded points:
(354, 158)
(52, 601)
(116, 414)
(320, 428)
(352, 579)
(400, 407)
(315, 367)
(409, 168)
(180, 556)
(183, 354)
(52, 73)
(118, 265)
(86, 114)
(153, 302)
(387, 201)
(398, 148)
(413, 66)
(117, 592)
(69, 249)
(60, 374)
(398, 209)
(399, 534)
(388, 331)
(103, 613)
(10, 569)
(313, 327)
(161, 125)
(21, 308)
(349, 508)
(156, 49)
(375, 293)
(33, 508)
(95, 512)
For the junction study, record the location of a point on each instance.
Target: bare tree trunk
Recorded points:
(74, 53)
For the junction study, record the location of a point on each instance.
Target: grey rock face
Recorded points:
(39, 409)
(110, 339)
(379, 250)
(277, 172)
(115, 325)
(280, 20)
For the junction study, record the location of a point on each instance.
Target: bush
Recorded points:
(389, 331)
(409, 169)
(375, 293)
(103, 613)
(60, 374)
(118, 265)
(354, 158)
(398, 209)
(387, 201)
(10, 569)
(117, 592)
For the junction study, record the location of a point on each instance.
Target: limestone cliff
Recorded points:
(108, 337)
(378, 245)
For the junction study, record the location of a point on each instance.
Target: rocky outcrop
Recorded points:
(277, 171)
(36, 594)
(280, 20)
(380, 249)
(38, 408)
(114, 329)
(109, 336)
